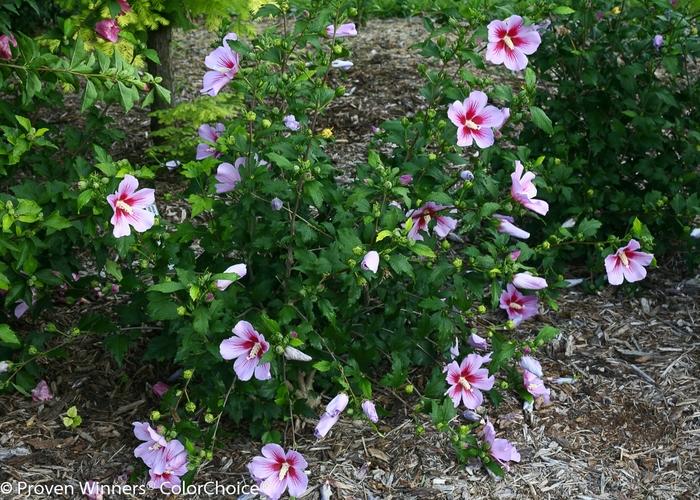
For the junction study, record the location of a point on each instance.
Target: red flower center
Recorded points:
(124, 207)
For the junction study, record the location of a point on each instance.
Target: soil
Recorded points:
(627, 426)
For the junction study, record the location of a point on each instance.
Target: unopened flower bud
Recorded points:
(494, 272)
(155, 415)
(32, 350)
(510, 324)
(190, 407)
(408, 389)
(457, 263)
(266, 123)
(187, 374)
(481, 309)
(432, 157)
(250, 116)
(209, 418)
(181, 311)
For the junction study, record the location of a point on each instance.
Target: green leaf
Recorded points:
(84, 198)
(530, 78)
(166, 287)
(114, 270)
(89, 96)
(200, 204)
(56, 222)
(443, 413)
(432, 304)
(322, 366)
(161, 308)
(589, 227)
(24, 122)
(201, 320)
(546, 335)
(279, 160)
(271, 326)
(400, 264)
(125, 96)
(383, 234)
(8, 338)
(489, 208)
(423, 250)
(541, 120)
(313, 189)
(563, 10)
(117, 345)
(152, 55)
(493, 466)
(163, 93)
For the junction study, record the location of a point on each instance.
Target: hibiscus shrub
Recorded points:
(49, 185)
(285, 283)
(331, 286)
(624, 140)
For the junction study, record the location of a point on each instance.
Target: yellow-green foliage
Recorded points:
(180, 123)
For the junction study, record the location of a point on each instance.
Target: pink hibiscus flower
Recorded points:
(291, 123)
(247, 346)
(124, 5)
(129, 207)
(108, 29)
(518, 306)
(228, 176)
(224, 63)
(627, 264)
(422, 216)
(153, 443)
(160, 389)
(277, 470)
(475, 120)
(523, 190)
(478, 342)
(169, 466)
(5, 42)
(343, 31)
(500, 449)
(507, 226)
(211, 135)
(535, 386)
(240, 269)
(532, 378)
(370, 262)
(467, 380)
(526, 281)
(370, 411)
(331, 415)
(510, 42)
(42, 392)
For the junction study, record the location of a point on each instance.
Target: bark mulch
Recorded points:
(627, 427)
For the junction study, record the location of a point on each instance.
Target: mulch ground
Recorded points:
(627, 427)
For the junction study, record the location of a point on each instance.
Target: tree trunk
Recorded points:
(159, 40)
